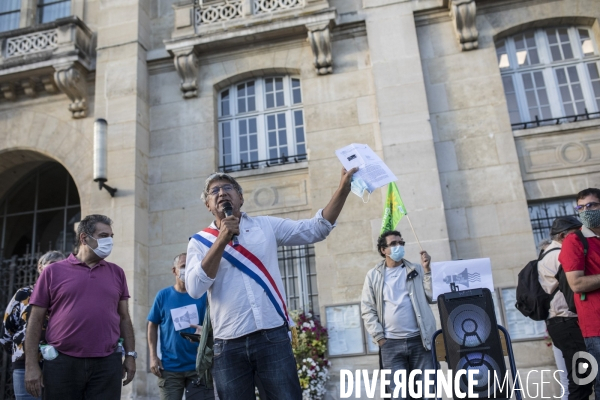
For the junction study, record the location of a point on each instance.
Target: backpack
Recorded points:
(561, 277)
(532, 301)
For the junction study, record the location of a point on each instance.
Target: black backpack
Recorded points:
(561, 277)
(532, 300)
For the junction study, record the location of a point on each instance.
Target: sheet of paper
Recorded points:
(449, 276)
(370, 167)
(184, 316)
(345, 330)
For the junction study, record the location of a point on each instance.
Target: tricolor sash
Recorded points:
(248, 263)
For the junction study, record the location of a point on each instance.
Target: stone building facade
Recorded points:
(486, 110)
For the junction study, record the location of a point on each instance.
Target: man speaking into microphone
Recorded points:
(235, 260)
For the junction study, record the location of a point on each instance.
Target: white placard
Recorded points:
(184, 316)
(451, 276)
(371, 168)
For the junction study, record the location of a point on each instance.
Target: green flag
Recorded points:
(394, 209)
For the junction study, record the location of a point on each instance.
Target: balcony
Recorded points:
(224, 24)
(53, 58)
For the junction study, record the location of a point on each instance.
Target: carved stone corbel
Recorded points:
(186, 64)
(29, 87)
(319, 38)
(71, 80)
(464, 15)
(8, 90)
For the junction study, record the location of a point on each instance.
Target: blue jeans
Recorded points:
(405, 354)
(593, 347)
(19, 386)
(267, 353)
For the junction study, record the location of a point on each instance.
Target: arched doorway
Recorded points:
(39, 206)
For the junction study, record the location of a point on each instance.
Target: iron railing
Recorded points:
(299, 276)
(269, 162)
(15, 273)
(555, 121)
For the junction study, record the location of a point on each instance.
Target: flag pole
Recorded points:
(415, 233)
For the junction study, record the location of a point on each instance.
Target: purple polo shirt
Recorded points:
(82, 306)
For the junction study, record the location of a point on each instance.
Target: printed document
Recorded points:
(371, 168)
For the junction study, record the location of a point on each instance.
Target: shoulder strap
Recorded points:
(542, 255)
(584, 242)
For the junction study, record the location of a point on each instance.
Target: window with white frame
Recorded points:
(550, 75)
(10, 13)
(50, 10)
(299, 275)
(261, 123)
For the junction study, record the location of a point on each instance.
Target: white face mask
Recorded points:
(397, 253)
(104, 248)
(182, 274)
(358, 187)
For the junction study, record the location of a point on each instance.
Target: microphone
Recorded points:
(228, 210)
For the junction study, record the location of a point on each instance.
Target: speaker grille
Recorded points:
(469, 325)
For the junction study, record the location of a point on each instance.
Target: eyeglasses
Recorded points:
(396, 243)
(217, 189)
(587, 207)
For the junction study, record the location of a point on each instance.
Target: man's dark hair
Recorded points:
(88, 226)
(589, 191)
(382, 241)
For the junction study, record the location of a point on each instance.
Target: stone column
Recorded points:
(121, 97)
(406, 135)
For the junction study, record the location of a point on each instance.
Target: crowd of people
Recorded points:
(223, 327)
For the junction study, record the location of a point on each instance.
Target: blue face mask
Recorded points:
(358, 187)
(397, 253)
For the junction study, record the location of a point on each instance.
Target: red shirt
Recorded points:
(572, 259)
(82, 306)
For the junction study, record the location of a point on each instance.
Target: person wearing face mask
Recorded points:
(176, 370)
(395, 308)
(583, 271)
(86, 300)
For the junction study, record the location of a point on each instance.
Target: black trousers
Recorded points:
(566, 335)
(72, 378)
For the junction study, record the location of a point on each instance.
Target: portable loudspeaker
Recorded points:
(472, 341)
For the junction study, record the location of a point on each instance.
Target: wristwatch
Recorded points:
(132, 354)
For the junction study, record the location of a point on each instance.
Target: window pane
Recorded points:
(519, 326)
(247, 141)
(225, 103)
(535, 93)
(595, 79)
(49, 11)
(49, 230)
(502, 55)
(24, 198)
(53, 188)
(296, 94)
(527, 53)
(587, 46)
(10, 13)
(299, 131)
(511, 100)
(277, 136)
(570, 90)
(542, 214)
(19, 235)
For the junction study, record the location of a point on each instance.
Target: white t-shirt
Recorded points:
(399, 317)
